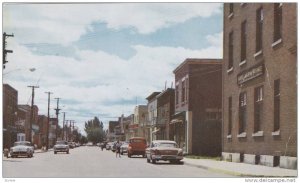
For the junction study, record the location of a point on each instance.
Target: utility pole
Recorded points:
(31, 112)
(5, 51)
(57, 112)
(63, 129)
(48, 121)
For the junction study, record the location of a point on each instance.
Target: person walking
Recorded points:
(118, 149)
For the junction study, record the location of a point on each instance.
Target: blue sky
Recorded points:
(103, 59)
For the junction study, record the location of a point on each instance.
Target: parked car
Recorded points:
(61, 146)
(137, 146)
(109, 145)
(71, 145)
(22, 148)
(124, 148)
(165, 150)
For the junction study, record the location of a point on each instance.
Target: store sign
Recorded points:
(134, 126)
(250, 74)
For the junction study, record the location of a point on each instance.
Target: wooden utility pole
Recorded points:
(63, 128)
(31, 113)
(57, 112)
(48, 121)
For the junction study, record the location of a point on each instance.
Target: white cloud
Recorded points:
(99, 78)
(65, 23)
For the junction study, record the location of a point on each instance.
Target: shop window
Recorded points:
(276, 105)
(258, 108)
(242, 112)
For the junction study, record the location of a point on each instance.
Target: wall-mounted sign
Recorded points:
(250, 74)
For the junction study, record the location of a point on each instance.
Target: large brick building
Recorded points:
(10, 111)
(259, 83)
(197, 122)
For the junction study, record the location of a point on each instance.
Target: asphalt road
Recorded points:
(91, 162)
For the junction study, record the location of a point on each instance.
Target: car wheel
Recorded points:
(153, 161)
(148, 160)
(55, 152)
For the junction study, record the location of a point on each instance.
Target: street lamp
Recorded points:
(19, 69)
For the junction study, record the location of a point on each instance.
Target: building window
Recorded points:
(276, 105)
(243, 41)
(230, 9)
(277, 21)
(259, 29)
(242, 112)
(258, 108)
(183, 91)
(230, 51)
(177, 95)
(229, 115)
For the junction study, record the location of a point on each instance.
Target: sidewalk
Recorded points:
(240, 169)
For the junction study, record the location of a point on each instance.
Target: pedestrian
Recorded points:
(118, 148)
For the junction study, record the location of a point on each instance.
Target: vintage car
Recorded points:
(61, 146)
(124, 148)
(165, 150)
(137, 146)
(22, 148)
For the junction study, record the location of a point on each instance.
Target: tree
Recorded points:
(94, 130)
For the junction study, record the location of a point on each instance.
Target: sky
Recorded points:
(103, 59)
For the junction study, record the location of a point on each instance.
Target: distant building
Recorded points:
(10, 111)
(152, 116)
(24, 112)
(52, 132)
(196, 124)
(126, 126)
(139, 122)
(260, 84)
(43, 122)
(165, 110)
(112, 130)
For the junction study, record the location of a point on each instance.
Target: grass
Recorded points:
(218, 158)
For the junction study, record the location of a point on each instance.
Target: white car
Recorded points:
(61, 146)
(22, 148)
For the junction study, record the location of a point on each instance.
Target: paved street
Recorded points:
(91, 162)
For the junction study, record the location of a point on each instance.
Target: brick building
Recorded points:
(165, 110)
(196, 124)
(259, 83)
(139, 127)
(10, 111)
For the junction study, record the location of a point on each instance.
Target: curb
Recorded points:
(43, 151)
(218, 170)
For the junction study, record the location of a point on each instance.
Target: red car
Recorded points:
(137, 146)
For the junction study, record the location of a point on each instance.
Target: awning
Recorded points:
(173, 121)
(155, 131)
(179, 115)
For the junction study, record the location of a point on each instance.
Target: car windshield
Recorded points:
(137, 141)
(61, 142)
(22, 143)
(165, 145)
